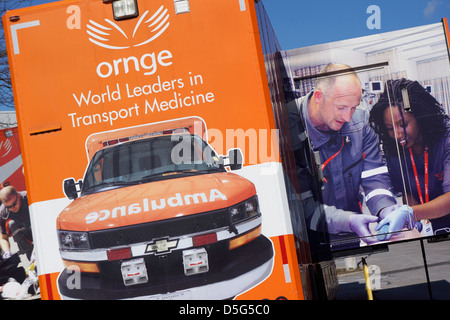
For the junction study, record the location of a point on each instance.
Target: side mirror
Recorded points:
(70, 188)
(235, 159)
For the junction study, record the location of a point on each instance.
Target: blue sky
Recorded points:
(301, 23)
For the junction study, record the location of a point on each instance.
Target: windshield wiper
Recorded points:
(105, 184)
(166, 174)
(177, 172)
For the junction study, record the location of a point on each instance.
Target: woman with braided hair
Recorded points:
(413, 131)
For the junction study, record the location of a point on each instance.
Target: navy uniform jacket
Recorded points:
(439, 177)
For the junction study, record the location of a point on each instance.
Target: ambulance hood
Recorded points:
(155, 201)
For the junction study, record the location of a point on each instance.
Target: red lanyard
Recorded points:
(331, 158)
(419, 190)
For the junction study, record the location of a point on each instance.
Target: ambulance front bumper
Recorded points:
(227, 274)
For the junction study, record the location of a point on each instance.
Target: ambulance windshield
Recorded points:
(151, 159)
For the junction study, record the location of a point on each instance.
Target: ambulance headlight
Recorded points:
(244, 210)
(73, 240)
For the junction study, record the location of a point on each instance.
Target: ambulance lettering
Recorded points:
(135, 208)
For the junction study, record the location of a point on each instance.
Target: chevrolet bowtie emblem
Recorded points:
(161, 246)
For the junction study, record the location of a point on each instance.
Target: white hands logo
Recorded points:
(100, 34)
(5, 147)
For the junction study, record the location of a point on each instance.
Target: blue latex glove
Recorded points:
(385, 211)
(383, 233)
(418, 225)
(395, 221)
(359, 224)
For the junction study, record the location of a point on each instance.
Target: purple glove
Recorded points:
(359, 224)
(6, 255)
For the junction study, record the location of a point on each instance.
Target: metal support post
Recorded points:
(426, 269)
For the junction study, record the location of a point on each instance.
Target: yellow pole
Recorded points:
(366, 276)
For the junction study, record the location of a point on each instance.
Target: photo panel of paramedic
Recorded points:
(339, 161)
(414, 132)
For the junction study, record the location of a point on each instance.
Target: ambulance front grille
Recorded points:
(147, 232)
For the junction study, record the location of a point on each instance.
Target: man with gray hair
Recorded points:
(338, 156)
(15, 222)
